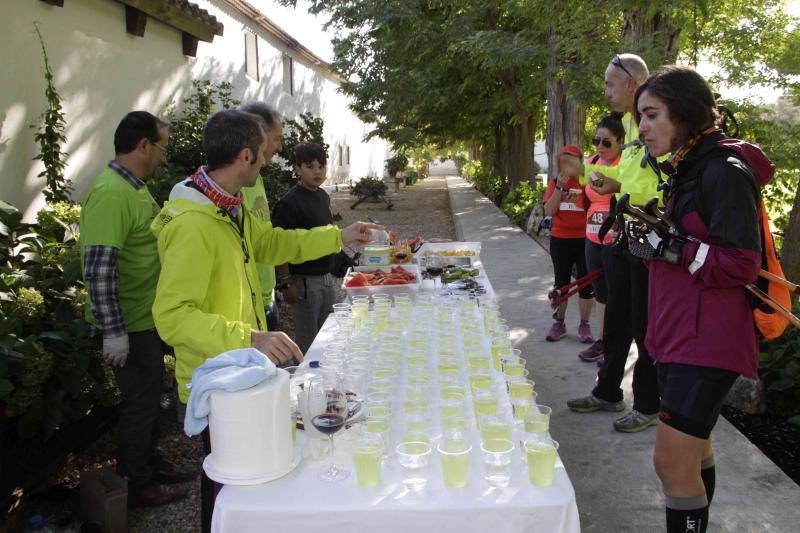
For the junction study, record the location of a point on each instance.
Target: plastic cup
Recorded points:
(522, 407)
(541, 457)
(368, 453)
(497, 461)
(449, 367)
(495, 427)
(454, 422)
(538, 421)
(452, 392)
(521, 388)
(484, 403)
(451, 407)
(478, 361)
(414, 458)
(379, 425)
(480, 379)
(454, 451)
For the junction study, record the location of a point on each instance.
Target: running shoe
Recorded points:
(557, 331)
(585, 332)
(635, 422)
(593, 352)
(591, 403)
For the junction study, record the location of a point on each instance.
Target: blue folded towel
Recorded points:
(229, 371)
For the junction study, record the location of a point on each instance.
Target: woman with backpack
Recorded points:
(608, 139)
(701, 331)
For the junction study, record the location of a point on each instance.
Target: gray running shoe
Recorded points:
(591, 403)
(635, 422)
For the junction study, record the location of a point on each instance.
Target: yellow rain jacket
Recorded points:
(640, 182)
(208, 297)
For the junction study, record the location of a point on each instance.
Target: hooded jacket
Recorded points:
(208, 297)
(698, 310)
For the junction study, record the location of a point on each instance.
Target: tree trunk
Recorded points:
(790, 251)
(566, 119)
(500, 159)
(520, 152)
(655, 37)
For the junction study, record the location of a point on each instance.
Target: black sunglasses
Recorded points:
(605, 142)
(617, 62)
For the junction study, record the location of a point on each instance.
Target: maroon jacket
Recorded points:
(698, 311)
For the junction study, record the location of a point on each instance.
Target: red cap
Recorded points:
(571, 149)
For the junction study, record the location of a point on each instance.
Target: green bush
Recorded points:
(51, 372)
(186, 122)
(396, 163)
(412, 177)
(780, 370)
(493, 187)
(518, 203)
(366, 186)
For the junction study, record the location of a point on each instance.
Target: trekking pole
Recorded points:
(562, 294)
(793, 287)
(767, 299)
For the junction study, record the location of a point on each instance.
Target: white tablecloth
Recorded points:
(300, 503)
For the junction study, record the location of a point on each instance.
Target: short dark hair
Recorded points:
(134, 127)
(227, 133)
(613, 124)
(687, 96)
(266, 112)
(308, 153)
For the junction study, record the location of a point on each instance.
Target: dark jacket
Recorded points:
(698, 310)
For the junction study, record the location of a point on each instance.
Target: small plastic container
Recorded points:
(376, 252)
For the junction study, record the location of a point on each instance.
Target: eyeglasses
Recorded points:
(605, 142)
(617, 62)
(162, 148)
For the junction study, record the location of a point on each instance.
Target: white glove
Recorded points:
(115, 350)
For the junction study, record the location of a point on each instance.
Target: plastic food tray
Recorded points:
(436, 248)
(383, 289)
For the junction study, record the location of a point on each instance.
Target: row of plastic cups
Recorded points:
(454, 457)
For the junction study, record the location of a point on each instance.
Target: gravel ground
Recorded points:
(422, 209)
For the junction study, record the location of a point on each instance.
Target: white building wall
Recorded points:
(102, 72)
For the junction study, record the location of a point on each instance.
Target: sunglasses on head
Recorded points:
(617, 62)
(605, 142)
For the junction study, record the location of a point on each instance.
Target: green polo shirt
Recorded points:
(255, 198)
(115, 213)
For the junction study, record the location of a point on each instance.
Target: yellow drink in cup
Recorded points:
(378, 424)
(541, 457)
(482, 381)
(454, 451)
(478, 361)
(514, 369)
(455, 469)
(484, 403)
(520, 388)
(367, 456)
(522, 408)
(454, 422)
(451, 407)
(538, 420)
(494, 427)
(448, 367)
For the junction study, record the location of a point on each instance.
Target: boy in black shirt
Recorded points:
(308, 286)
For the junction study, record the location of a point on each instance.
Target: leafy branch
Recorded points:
(50, 136)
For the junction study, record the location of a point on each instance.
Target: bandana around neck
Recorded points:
(215, 193)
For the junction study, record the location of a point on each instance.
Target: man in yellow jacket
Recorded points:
(208, 298)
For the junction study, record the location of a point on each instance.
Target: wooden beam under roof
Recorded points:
(181, 15)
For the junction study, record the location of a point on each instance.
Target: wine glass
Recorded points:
(331, 388)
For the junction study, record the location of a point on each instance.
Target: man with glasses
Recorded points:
(626, 311)
(121, 268)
